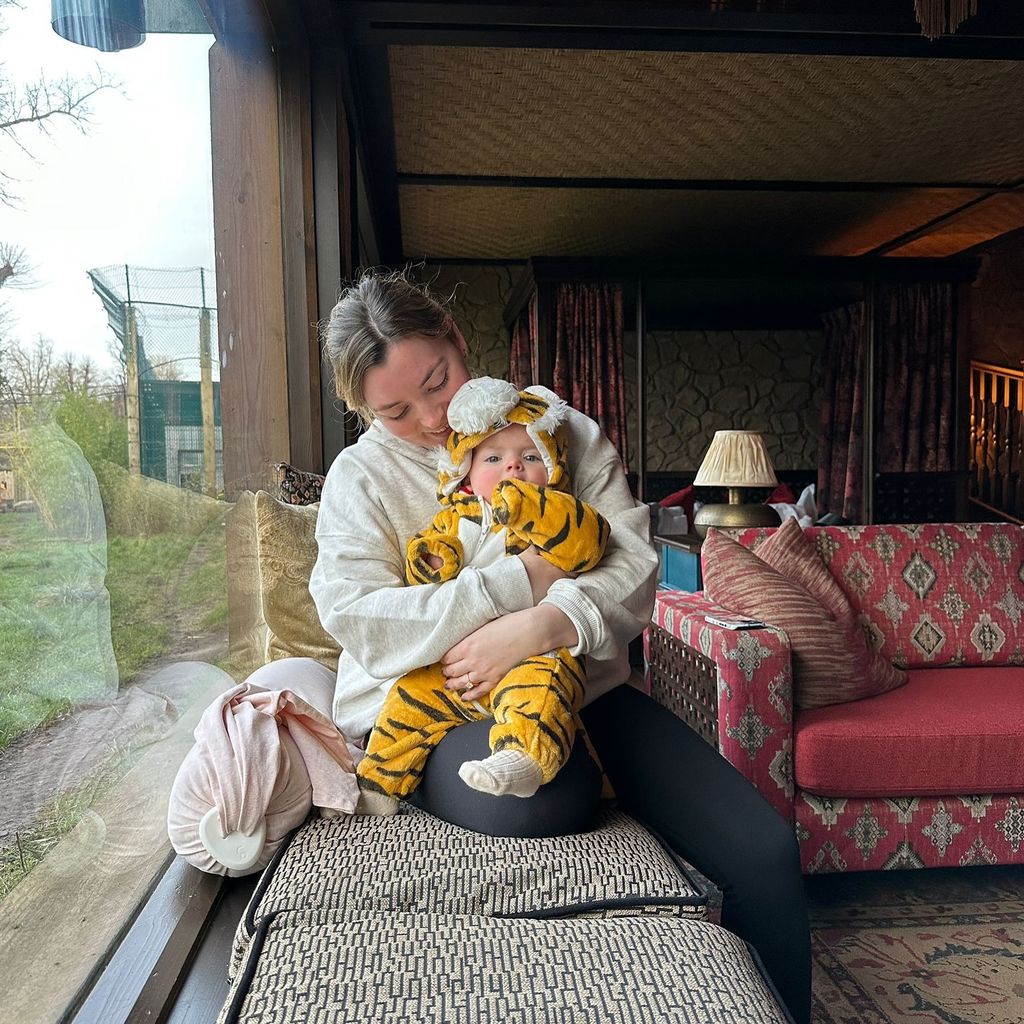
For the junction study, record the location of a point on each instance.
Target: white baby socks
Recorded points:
(506, 773)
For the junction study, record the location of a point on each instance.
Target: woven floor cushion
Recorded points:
(416, 862)
(326, 968)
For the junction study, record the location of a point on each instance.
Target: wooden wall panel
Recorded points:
(249, 259)
(299, 236)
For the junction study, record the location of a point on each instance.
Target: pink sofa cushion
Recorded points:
(831, 659)
(948, 732)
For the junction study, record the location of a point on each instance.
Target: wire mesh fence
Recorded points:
(165, 322)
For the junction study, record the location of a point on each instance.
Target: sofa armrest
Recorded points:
(748, 688)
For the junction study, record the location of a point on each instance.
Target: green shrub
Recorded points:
(139, 506)
(94, 426)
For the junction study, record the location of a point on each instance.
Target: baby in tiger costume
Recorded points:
(502, 486)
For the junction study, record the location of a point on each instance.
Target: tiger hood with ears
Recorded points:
(566, 531)
(485, 405)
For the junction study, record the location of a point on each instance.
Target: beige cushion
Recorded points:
(271, 550)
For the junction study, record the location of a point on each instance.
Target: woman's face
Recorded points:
(409, 392)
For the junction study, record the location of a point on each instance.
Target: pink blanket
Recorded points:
(261, 760)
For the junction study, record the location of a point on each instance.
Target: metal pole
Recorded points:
(867, 507)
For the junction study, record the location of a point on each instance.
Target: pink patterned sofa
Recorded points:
(930, 774)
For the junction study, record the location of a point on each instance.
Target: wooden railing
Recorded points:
(997, 439)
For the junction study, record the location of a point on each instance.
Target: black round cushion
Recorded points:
(568, 804)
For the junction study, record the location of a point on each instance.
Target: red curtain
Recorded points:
(915, 391)
(588, 370)
(523, 369)
(916, 373)
(841, 447)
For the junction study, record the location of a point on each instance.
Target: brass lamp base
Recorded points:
(733, 516)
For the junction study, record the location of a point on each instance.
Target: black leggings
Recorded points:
(664, 774)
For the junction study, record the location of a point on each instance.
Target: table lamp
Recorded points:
(735, 459)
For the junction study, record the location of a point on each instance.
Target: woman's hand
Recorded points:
(541, 573)
(475, 665)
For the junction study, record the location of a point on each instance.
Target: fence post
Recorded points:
(131, 392)
(206, 404)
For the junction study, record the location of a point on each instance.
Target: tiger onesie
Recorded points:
(534, 705)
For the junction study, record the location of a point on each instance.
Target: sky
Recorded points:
(135, 188)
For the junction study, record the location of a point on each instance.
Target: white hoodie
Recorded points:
(382, 490)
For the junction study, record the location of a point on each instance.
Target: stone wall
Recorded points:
(703, 381)
(476, 296)
(698, 381)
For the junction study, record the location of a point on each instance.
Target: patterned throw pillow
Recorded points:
(832, 663)
(298, 487)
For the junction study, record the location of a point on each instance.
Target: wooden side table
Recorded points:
(679, 555)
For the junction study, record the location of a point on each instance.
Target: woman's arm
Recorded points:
(612, 603)
(358, 581)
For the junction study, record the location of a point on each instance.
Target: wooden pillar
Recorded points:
(334, 209)
(206, 405)
(869, 419)
(547, 314)
(131, 391)
(962, 407)
(244, 117)
(299, 255)
(641, 392)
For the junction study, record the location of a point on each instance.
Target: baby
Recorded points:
(503, 480)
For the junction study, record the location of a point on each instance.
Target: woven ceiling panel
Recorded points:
(505, 223)
(993, 217)
(567, 113)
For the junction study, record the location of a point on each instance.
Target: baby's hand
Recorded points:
(434, 561)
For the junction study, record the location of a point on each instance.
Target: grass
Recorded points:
(55, 821)
(59, 646)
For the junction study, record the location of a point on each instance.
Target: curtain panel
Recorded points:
(523, 367)
(916, 372)
(588, 372)
(841, 446)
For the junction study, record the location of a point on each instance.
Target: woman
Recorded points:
(398, 358)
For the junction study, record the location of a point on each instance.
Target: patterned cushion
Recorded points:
(298, 487)
(414, 861)
(272, 614)
(789, 551)
(398, 967)
(831, 661)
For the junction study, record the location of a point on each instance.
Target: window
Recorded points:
(113, 606)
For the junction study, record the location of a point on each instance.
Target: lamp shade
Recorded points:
(736, 458)
(106, 25)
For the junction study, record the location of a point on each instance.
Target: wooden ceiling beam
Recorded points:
(700, 184)
(928, 227)
(828, 27)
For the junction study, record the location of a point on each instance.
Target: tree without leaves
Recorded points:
(30, 372)
(35, 108)
(27, 109)
(15, 272)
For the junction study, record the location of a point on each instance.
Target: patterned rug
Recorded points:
(937, 946)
